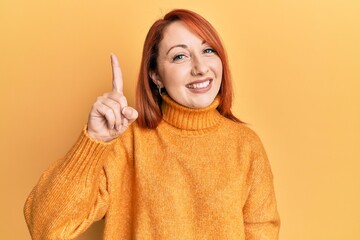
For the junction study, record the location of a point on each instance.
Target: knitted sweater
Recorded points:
(198, 175)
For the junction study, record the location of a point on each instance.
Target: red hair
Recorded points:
(148, 99)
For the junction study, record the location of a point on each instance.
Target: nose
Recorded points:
(199, 66)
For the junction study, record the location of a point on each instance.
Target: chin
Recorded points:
(202, 103)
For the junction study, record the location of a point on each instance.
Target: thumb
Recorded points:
(130, 114)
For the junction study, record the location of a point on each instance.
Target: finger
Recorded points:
(107, 113)
(130, 114)
(117, 74)
(123, 102)
(116, 108)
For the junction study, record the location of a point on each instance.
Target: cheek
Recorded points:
(216, 66)
(219, 67)
(175, 75)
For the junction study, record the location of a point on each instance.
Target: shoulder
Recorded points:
(242, 133)
(241, 130)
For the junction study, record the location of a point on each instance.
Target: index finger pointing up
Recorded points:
(117, 81)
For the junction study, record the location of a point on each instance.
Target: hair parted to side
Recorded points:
(148, 99)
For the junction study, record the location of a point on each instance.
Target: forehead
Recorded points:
(179, 33)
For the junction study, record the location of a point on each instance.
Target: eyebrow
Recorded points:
(182, 46)
(175, 46)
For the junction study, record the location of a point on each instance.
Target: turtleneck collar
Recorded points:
(187, 118)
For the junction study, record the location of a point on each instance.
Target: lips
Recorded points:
(199, 84)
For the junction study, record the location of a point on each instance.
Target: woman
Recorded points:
(181, 166)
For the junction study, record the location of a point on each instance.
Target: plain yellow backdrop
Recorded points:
(295, 66)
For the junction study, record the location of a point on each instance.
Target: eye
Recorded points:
(179, 57)
(209, 50)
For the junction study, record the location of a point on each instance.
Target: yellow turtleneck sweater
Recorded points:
(197, 175)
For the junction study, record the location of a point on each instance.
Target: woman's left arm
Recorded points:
(261, 218)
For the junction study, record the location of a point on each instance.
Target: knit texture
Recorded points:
(197, 175)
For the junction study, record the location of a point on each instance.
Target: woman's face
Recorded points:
(188, 68)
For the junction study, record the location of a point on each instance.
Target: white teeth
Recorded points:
(199, 85)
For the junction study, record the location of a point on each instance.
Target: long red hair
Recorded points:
(148, 99)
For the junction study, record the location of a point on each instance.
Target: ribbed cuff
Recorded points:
(86, 157)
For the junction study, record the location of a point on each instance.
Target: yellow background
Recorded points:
(295, 66)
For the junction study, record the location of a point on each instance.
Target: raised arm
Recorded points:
(72, 193)
(110, 115)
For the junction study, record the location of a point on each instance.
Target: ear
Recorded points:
(156, 79)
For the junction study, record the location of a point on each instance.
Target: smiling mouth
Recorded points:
(199, 85)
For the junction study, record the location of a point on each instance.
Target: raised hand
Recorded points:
(110, 115)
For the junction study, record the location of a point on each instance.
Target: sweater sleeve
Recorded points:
(261, 217)
(71, 194)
